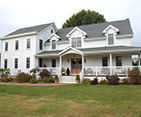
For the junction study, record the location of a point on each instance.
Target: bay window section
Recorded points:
(76, 42)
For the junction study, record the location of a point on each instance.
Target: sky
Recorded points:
(15, 14)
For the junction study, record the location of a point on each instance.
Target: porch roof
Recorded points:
(106, 49)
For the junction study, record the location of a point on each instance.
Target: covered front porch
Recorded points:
(87, 63)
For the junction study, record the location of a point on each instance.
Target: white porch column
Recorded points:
(60, 64)
(111, 64)
(139, 58)
(82, 65)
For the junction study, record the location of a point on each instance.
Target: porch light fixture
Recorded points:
(84, 60)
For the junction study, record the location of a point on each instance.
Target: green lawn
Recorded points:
(70, 101)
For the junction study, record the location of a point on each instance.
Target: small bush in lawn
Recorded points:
(48, 80)
(125, 81)
(6, 79)
(103, 82)
(86, 81)
(44, 73)
(135, 77)
(77, 77)
(94, 82)
(23, 77)
(113, 80)
(33, 80)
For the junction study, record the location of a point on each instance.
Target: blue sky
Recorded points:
(15, 14)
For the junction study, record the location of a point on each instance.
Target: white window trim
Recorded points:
(30, 44)
(76, 37)
(51, 44)
(18, 45)
(14, 63)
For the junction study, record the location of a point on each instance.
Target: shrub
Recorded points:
(86, 81)
(23, 77)
(34, 71)
(48, 80)
(44, 73)
(103, 82)
(4, 72)
(125, 81)
(56, 77)
(112, 80)
(33, 80)
(94, 82)
(134, 76)
(6, 79)
(77, 77)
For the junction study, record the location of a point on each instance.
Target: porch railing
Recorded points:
(52, 70)
(114, 70)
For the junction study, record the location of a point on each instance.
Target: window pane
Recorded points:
(16, 63)
(41, 44)
(28, 43)
(79, 42)
(118, 61)
(104, 61)
(27, 62)
(40, 62)
(5, 63)
(110, 39)
(17, 45)
(53, 62)
(53, 44)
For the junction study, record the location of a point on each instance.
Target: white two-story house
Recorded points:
(89, 50)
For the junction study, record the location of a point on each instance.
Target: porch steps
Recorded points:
(67, 79)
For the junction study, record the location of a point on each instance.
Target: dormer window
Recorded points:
(53, 44)
(76, 42)
(110, 39)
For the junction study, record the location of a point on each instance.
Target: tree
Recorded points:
(83, 18)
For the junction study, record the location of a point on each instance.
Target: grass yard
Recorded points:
(70, 101)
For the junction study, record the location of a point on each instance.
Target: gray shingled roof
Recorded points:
(96, 49)
(30, 29)
(95, 30)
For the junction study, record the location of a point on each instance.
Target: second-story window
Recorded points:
(53, 44)
(16, 44)
(6, 46)
(41, 44)
(28, 43)
(76, 42)
(110, 39)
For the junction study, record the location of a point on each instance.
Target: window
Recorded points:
(17, 45)
(53, 44)
(104, 61)
(110, 39)
(118, 61)
(28, 43)
(16, 63)
(41, 44)
(6, 46)
(5, 63)
(40, 62)
(76, 42)
(51, 31)
(53, 62)
(27, 62)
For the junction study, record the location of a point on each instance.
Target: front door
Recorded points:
(76, 65)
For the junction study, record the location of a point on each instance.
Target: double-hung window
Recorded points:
(41, 44)
(28, 43)
(6, 46)
(76, 42)
(53, 62)
(16, 44)
(53, 44)
(110, 39)
(104, 61)
(27, 62)
(16, 63)
(118, 61)
(5, 63)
